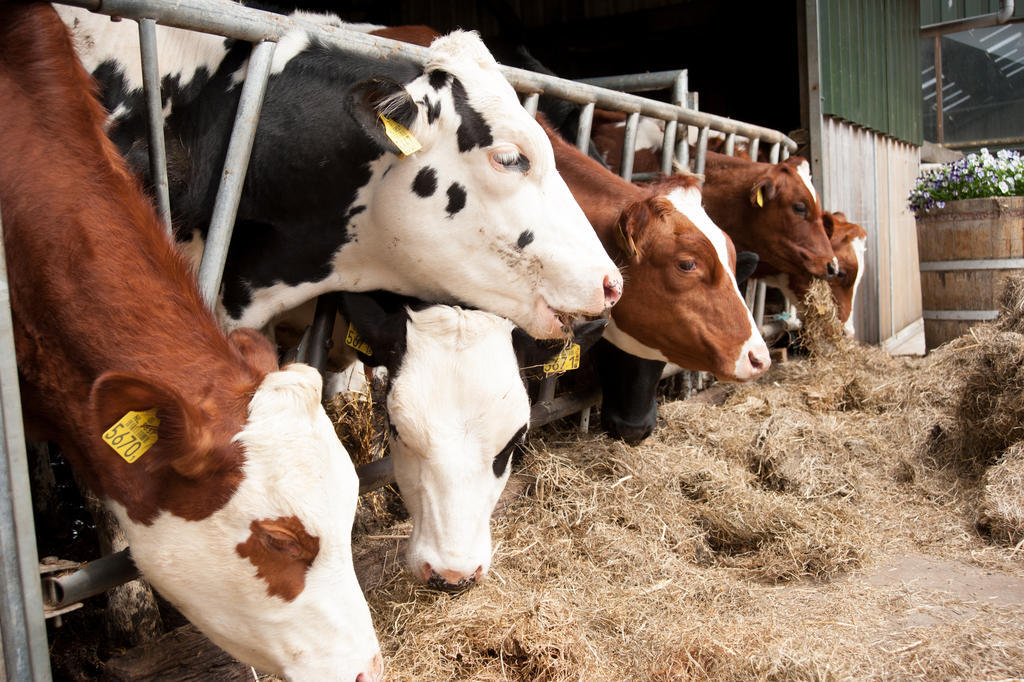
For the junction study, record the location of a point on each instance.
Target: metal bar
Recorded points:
(750, 294)
(668, 146)
(680, 97)
(584, 127)
(530, 103)
(629, 146)
(155, 117)
(376, 474)
(773, 155)
(752, 148)
(730, 144)
(702, 150)
(983, 315)
(91, 579)
(237, 21)
(990, 264)
(759, 303)
(547, 388)
(22, 625)
(636, 82)
(546, 411)
(222, 222)
(320, 340)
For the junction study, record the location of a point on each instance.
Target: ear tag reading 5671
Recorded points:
(133, 434)
(400, 135)
(353, 339)
(568, 359)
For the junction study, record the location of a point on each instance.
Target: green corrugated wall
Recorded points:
(870, 64)
(935, 11)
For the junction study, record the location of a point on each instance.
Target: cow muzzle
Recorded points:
(450, 581)
(832, 269)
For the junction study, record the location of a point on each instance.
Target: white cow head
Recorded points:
(268, 575)
(457, 407)
(479, 214)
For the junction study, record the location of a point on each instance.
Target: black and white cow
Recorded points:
(457, 407)
(478, 215)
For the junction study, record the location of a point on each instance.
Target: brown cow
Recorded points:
(848, 242)
(224, 471)
(682, 301)
(770, 209)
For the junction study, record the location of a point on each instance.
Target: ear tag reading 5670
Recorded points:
(353, 339)
(760, 197)
(568, 359)
(133, 434)
(400, 135)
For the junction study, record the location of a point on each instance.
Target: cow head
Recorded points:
(683, 300)
(456, 408)
(771, 209)
(266, 572)
(478, 214)
(849, 242)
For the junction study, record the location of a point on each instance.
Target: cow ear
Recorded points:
(630, 230)
(377, 331)
(763, 190)
(376, 97)
(746, 263)
(183, 442)
(830, 227)
(255, 349)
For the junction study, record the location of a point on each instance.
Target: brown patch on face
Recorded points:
(282, 551)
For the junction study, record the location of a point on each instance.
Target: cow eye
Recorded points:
(501, 459)
(509, 159)
(800, 208)
(687, 265)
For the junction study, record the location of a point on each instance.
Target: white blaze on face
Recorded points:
(859, 247)
(804, 171)
(688, 202)
(455, 403)
(294, 467)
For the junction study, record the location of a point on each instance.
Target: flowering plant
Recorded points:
(972, 177)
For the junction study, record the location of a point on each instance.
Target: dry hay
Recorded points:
(1001, 510)
(989, 372)
(736, 543)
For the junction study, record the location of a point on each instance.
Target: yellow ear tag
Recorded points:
(760, 197)
(400, 135)
(353, 339)
(567, 360)
(133, 434)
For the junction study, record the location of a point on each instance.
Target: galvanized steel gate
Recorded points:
(25, 649)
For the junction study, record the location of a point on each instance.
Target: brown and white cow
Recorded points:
(682, 303)
(849, 243)
(240, 511)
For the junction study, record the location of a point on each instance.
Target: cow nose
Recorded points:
(450, 581)
(757, 363)
(832, 269)
(375, 671)
(612, 290)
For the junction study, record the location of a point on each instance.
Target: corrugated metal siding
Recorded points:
(870, 71)
(935, 11)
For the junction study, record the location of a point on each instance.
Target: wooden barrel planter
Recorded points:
(965, 251)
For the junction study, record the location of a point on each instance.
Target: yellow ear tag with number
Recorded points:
(353, 339)
(400, 135)
(760, 197)
(133, 434)
(567, 360)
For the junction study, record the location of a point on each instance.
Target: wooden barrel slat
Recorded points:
(966, 230)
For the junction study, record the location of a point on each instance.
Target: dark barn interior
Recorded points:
(743, 57)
